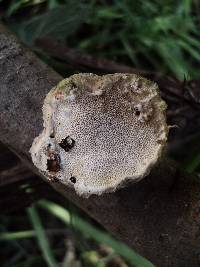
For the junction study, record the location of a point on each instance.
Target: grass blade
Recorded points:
(102, 237)
(17, 235)
(41, 237)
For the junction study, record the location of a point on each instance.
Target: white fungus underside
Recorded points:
(112, 143)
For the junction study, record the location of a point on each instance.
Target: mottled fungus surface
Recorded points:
(100, 132)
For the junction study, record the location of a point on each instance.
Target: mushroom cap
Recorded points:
(100, 132)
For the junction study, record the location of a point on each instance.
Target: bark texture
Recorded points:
(159, 217)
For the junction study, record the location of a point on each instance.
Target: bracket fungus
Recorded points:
(100, 132)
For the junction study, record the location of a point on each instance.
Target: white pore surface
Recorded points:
(118, 125)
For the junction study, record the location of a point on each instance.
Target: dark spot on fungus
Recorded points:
(160, 142)
(137, 112)
(73, 85)
(73, 179)
(54, 179)
(52, 135)
(53, 164)
(140, 83)
(67, 143)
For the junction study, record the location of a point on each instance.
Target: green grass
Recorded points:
(17, 235)
(155, 35)
(90, 231)
(74, 221)
(42, 238)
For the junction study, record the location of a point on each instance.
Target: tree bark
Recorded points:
(159, 216)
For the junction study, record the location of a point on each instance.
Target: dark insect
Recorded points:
(137, 112)
(67, 143)
(52, 135)
(73, 179)
(53, 164)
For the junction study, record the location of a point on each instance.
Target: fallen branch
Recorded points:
(159, 216)
(83, 62)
